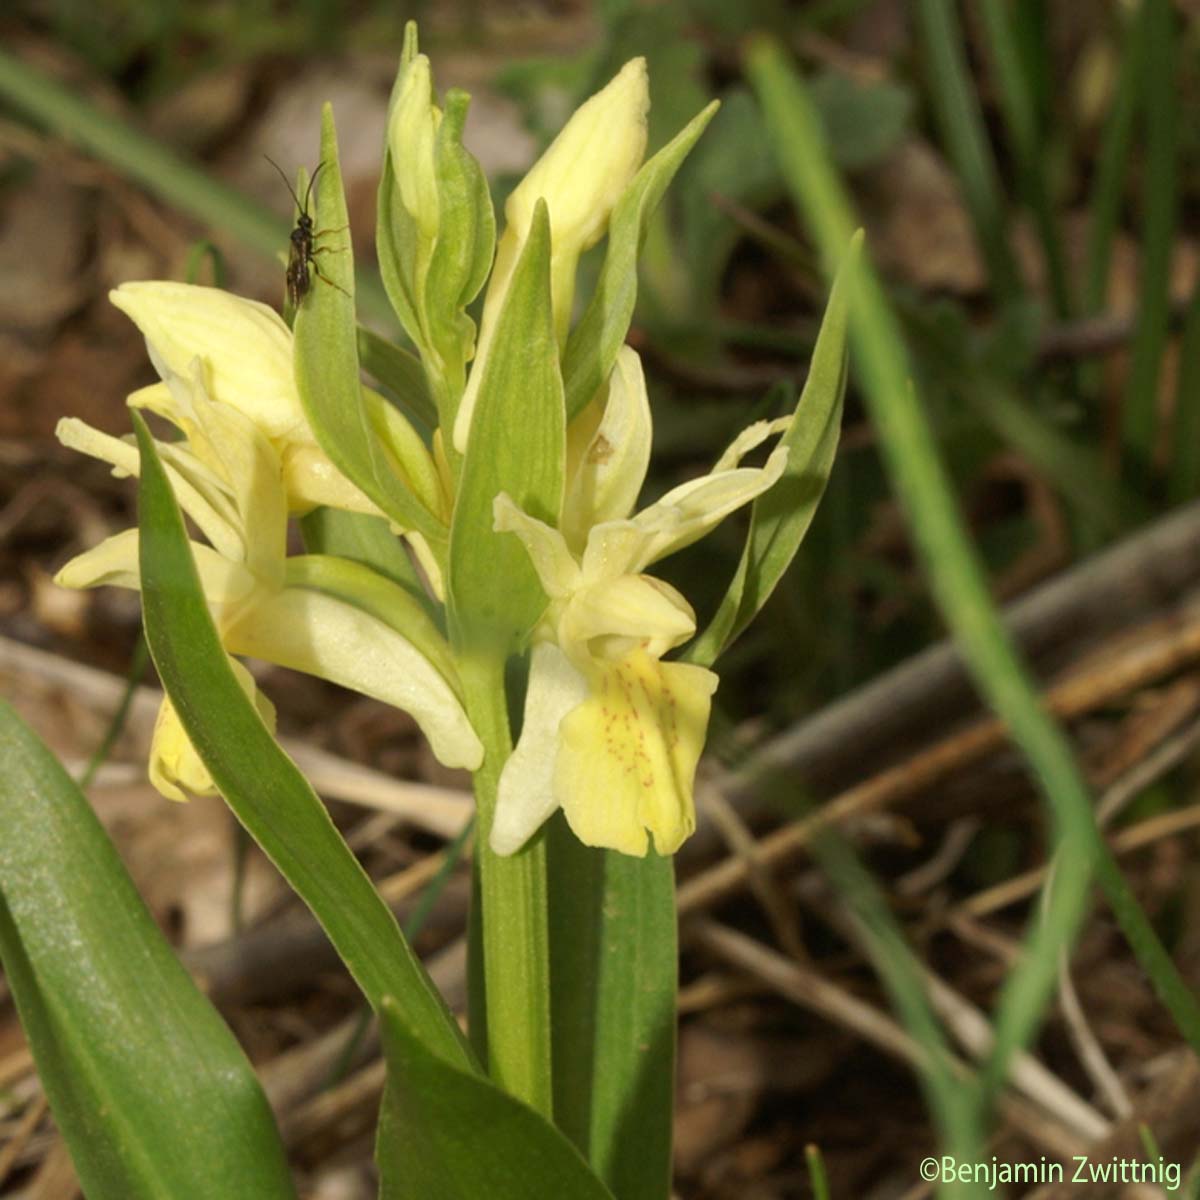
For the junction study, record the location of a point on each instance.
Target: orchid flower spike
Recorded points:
(612, 733)
(313, 613)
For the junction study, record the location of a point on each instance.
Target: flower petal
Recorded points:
(245, 346)
(644, 610)
(114, 562)
(545, 546)
(684, 515)
(526, 795)
(200, 494)
(627, 760)
(250, 467)
(311, 480)
(606, 476)
(324, 636)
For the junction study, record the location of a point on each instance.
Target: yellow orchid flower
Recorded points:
(312, 613)
(581, 177)
(612, 734)
(245, 351)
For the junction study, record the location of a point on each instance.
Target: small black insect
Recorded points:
(302, 255)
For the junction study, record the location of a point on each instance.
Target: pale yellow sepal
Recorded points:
(526, 795)
(245, 347)
(607, 460)
(175, 768)
(114, 563)
(626, 611)
(684, 515)
(203, 496)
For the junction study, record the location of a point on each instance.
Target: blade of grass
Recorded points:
(959, 585)
(903, 978)
(138, 661)
(1019, 105)
(1139, 413)
(163, 172)
(818, 1180)
(1108, 189)
(957, 110)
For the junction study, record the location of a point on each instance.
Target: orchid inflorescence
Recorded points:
(613, 728)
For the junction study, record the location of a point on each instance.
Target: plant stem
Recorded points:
(516, 948)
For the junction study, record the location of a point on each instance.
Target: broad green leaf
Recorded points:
(614, 969)
(445, 1134)
(262, 786)
(780, 518)
(594, 342)
(147, 1084)
(326, 360)
(400, 372)
(516, 445)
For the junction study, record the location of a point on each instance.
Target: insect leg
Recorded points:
(325, 278)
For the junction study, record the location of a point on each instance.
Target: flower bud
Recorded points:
(581, 177)
(587, 167)
(413, 121)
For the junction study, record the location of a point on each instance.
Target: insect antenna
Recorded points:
(308, 191)
(288, 183)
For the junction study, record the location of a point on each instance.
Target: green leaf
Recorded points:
(614, 969)
(365, 539)
(262, 786)
(396, 244)
(780, 518)
(462, 253)
(445, 1134)
(400, 372)
(594, 342)
(516, 445)
(147, 1084)
(326, 361)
